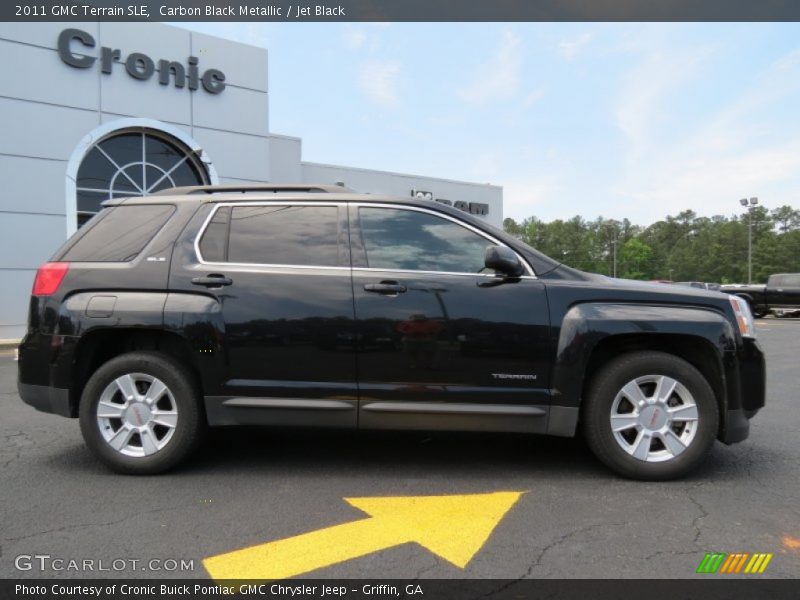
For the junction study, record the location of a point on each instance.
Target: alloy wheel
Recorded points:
(137, 414)
(654, 418)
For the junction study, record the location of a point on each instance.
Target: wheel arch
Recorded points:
(100, 345)
(593, 334)
(697, 351)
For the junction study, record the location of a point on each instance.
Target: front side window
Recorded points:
(417, 241)
(273, 235)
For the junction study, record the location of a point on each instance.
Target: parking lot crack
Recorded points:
(86, 525)
(669, 553)
(540, 557)
(560, 540)
(425, 569)
(698, 531)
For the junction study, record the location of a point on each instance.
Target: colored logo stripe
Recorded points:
(711, 562)
(758, 563)
(734, 563)
(721, 562)
(741, 562)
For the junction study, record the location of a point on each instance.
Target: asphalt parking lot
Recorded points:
(248, 487)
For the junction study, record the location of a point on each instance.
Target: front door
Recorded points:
(440, 346)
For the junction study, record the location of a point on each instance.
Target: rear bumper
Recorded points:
(45, 398)
(44, 365)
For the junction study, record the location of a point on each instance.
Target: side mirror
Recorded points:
(503, 260)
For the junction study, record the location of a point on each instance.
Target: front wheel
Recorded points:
(140, 413)
(650, 415)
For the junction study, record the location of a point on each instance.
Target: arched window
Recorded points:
(134, 161)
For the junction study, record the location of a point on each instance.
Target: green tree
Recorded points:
(683, 247)
(786, 218)
(635, 259)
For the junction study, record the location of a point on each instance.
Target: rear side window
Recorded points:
(273, 235)
(121, 234)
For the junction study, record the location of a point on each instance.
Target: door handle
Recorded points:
(779, 290)
(213, 280)
(385, 287)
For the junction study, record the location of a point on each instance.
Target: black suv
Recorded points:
(316, 306)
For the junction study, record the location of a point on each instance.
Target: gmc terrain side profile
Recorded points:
(316, 306)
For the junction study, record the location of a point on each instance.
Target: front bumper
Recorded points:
(747, 390)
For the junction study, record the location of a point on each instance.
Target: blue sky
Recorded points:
(619, 120)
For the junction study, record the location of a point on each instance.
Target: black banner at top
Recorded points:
(400, 10)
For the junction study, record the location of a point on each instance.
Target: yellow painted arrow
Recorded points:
(453, 527)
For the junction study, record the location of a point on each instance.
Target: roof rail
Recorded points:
(256, 187)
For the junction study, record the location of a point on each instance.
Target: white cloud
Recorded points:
(712, 184)
(523, 198)
(486, 165)
(569, 48)
(378, 79)
(364, 37)
(354, 37)
(736, 153)
(497, 77)
(643, 100)
(533, 97)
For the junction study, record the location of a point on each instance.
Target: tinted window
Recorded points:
(120, 235)
(284, 235)
(214, 243)
(792, 281)
(405, 239)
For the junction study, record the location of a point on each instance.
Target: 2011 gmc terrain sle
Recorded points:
(315, 306)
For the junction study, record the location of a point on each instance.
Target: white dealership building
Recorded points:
(90, 111)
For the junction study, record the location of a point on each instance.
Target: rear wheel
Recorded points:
(140, 414)
(650, 415)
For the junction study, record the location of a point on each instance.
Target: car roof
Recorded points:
(262, 192)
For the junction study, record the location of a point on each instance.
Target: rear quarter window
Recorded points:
(120, 234)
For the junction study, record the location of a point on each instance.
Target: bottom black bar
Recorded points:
(732, 588)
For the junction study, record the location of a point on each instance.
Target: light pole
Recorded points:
(749, 205)
(615, 256)
(614, 246)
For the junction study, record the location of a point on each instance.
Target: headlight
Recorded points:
(744, 318)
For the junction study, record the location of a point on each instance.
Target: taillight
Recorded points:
(48, 278)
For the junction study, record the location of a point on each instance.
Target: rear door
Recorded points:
(439, 346)
(280, 273)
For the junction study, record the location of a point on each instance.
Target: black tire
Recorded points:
(188, 430)
(597, 410)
